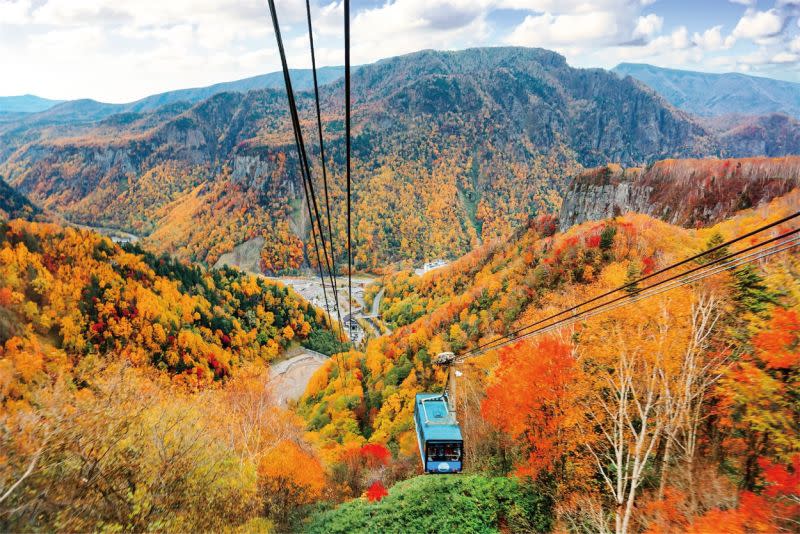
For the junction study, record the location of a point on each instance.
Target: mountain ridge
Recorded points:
(88, 109)
(26, 104)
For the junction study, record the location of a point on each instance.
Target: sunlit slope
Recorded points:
(459, 146)
(66, 295)
(494, 290)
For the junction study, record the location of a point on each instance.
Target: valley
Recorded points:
(310, 288)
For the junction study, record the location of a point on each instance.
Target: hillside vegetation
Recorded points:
(712, 454)
(134, 393)
(469, 504)
(14, 205)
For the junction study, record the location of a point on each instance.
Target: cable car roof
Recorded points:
(436, 421)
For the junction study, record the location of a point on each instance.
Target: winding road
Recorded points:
(290, 377)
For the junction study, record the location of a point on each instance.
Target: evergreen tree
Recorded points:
(714, 241)
(750, 292)
(633, 274)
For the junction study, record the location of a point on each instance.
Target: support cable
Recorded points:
(770, 251)
(324, 165)
(635, 283)
(520, 332)
(305, 170)
(348, 149)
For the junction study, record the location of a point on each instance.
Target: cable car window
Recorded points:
(444, 452)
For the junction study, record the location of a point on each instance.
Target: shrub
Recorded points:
(444, 503)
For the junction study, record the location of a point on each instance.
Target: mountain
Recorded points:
(460, 146)
(302, 80)
(688, 192)
(25, 104)
(709, 94)
(86, 110)
(774, 134)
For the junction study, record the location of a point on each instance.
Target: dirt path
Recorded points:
(290, 377)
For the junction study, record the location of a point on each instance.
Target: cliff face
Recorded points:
(683, 192)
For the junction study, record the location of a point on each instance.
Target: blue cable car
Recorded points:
(441, 446)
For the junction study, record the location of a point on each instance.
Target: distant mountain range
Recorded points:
(709, 95)
(91, 110)
(700, 93)
(26, 104)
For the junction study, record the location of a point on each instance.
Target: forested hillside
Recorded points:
(76, 293)
(14, 205)
(460, 146)
(675, 413)
(134, 393)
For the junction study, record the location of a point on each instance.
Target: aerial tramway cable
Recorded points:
(348, 149)
(775, 249)
(332, 262)
(305, 170)
(631, 285)
(322, 159)
(727, 262)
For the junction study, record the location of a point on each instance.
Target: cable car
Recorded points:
(441, 446)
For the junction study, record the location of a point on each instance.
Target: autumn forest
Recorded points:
(154, 269)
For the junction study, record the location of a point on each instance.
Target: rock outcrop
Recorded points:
(684, 192)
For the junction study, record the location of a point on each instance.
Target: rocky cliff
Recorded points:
(686, 192)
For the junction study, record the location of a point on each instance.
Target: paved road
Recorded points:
(290, 377)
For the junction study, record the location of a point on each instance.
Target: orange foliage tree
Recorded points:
(290, 478)
(532, 398)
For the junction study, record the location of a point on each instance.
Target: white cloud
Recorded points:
(712, 39)
(14, 11)
(555, 30)
(785, 57)
(674, 49)
(405, 26)
(759, 24)
(120, 50)
(648, 25)
(679, 39)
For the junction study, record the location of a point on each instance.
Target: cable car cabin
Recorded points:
(438, 434)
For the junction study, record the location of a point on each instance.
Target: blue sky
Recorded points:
(121, 50)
